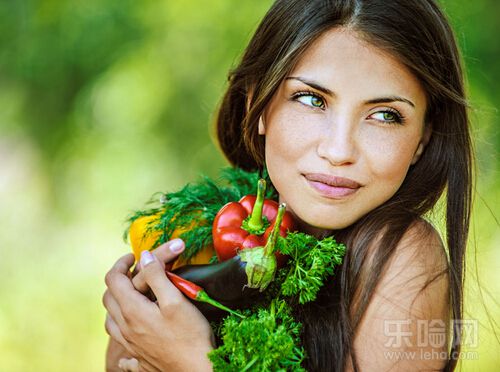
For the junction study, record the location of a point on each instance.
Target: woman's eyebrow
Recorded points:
(327, 91)
(312, 84)
(390, 99)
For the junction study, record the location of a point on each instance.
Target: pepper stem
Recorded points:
(202, 296)
(255, 222)
(273, 237)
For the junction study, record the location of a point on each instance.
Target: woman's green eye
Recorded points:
(388, 117)
(311, 100)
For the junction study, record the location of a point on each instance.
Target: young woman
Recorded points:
(357, 110)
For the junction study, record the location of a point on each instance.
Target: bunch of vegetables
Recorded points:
(234, 251)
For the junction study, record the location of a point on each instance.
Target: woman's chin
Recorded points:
(319, 219)
(319, 228)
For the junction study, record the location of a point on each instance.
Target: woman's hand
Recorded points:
(166, 334)
(118, 359)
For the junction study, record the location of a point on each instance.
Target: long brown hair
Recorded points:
(418, 34)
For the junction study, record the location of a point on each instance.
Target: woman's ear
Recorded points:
(262, 127)
(423, 142)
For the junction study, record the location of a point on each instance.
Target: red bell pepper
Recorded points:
(247, 224)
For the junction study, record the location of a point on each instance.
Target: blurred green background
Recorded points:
(103, 103)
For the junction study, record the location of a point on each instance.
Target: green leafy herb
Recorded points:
(266, 340)
(213, 259)
(244, 182)
(311, 262)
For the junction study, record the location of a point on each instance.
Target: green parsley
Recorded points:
(311, 262)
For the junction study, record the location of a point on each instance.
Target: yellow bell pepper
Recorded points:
(141, 240)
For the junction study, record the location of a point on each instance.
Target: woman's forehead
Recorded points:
(339, 58)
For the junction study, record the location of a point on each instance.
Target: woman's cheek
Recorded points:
(390, 163)
(285, 140)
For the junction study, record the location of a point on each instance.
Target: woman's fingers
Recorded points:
(113, 309)
(170, 250)
(121, 289)
(165, 253)
(114, 352)
(114, 332)
(129, 365)
(124, 263)
(154, 275)
(120, 285)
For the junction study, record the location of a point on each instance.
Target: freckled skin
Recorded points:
(345, 137)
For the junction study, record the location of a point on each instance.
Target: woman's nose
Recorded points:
(338, 144)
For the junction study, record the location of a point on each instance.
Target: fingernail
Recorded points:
(146, 258)
(176, 246)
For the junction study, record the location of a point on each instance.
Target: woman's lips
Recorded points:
(341, 187)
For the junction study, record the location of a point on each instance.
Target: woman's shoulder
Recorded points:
(418, 267)
(422, 244)
(424, 230)
(420, 247)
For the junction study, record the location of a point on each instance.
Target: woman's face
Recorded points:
(342, 131)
